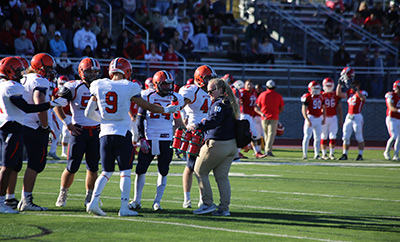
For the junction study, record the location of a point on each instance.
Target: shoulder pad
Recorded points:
(65, 93)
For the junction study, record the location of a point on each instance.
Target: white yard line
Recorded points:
(143, 220)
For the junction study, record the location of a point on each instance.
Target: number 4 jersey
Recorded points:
(199, 104)
(114, 101)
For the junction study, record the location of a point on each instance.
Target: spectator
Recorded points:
(219, 8)
(23, 45)
(341, 57)
(96, 9)
(79, 10)
(83, 38)
(214, 34)
(26, 27)
(181, 11)
(188, 47)
(93, 27)
(64, 66)
(7, 36)
(333, 5)
(77, 25)
(65, 23)
(357, 19)
(200, 39)
(155, 19)
(186, 25)
(153, 56)
(393, 17)
(172, 59)
(57, 45)
(104, 35)
(103, 50)
(332, 27)
(51, 32)
(129, 7)
(363, 10)
(255, 30)
(40, 23)
(100, 21)
(373, 25)
(235, 51)
(176, 41)
(50, 19)
(163, 5)
(266, 51)
(159, 34)
(143, 18)
(42, 45)
(122, 42)
(379, 74)
(269, 105)
(135, 50)
(252, 52)
(170, 23)
(19, 14)
(88, 52)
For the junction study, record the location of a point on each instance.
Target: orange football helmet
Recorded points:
(44, 65)
(89, 69)
(120, 65)
(11, 68)
(203, 74)
(149, 83)
(24, 61)
(163, 82)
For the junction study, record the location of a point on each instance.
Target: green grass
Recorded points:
(283, 198)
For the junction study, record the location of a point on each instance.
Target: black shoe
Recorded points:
(269, 154)
(344, 157)
(12, 203)
(359, 157)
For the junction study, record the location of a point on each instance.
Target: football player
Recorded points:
(354, 120)
(36, 126)
(113, 98)
(330, 128)
(393, 121)
(248, 101)
(313, 110)
(13, 110)
(67, 110)
(84, 131)
(197, 104)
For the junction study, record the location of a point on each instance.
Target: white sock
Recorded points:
(345, 152)
(125, 186)
(26, 194)
(186, 196)
(139, 184)
(64, 149)
(161, 184)
(10, 196)
(323, 152)
(100, 183)
(331, 151)
(360, 152)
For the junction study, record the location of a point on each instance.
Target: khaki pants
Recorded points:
(269, 127)
(215, 155)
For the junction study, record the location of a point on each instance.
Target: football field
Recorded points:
(282, 198)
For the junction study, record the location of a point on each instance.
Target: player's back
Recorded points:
(8, 111)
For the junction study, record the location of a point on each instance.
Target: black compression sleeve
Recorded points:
(140, 122)
(29, 108)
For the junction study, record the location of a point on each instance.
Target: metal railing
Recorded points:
(124, 24)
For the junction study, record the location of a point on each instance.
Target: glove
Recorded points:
(44, 129)
(144, 146)
(59, 102)
(171, 109)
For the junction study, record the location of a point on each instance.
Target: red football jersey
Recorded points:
(331, 101)
(249, 99)
(314, 104)
(354, 101)
(134, 108)
(392, 97)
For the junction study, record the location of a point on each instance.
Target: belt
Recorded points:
(87, 127)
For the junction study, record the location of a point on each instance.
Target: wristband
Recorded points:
(67, 120)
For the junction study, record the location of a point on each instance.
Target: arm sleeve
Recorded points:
(140, 122)
(90, 111)
(29, 108)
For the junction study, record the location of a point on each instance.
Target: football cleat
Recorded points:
(53, 155)
(93, 207)
(62, 199)
(269, 154)
(304, 157)
(259, 155)
(325, 157)
(396, 158)
(187, 204)
(386, 155)
(125, 211)
(6, 209)
(332, 157)
(157, 206)
(317, 157)
(221, 213)
(343, 157)
(134, 205)
(12, 202)
(359, 157)
(204, 209)
(26, 204)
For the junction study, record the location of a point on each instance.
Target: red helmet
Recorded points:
(149, 83)
(138, 82)
(280, 129)
(190, 81)
(347, 75)
(89, 69)
(396, 84)
(44, 65)
(328, 85)
(11, 68)
(120, 65)
(24, 61)
(62, 80)
(203, 74)
(163, 82)
(228, 78)
(314, 88)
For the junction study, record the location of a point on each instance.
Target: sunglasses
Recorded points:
(211, 91)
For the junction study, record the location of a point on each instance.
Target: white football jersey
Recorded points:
(34, 81)
(199, 105)
(159, 126)
(114, 101)
(80, 98)
(8, 111)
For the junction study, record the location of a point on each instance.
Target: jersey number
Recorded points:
(167, 116)
(204, 107)
(112, 100)
(330, 103)
(317, 104)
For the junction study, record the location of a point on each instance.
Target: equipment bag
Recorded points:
(243, 133)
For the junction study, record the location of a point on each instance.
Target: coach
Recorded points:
(269, 106)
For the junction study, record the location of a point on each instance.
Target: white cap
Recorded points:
(270, 84)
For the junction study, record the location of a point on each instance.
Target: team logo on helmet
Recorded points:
(89, 69)
(44, 65)
(120, 65)
(203, 74)
(163, 82)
